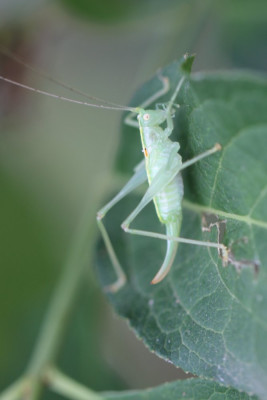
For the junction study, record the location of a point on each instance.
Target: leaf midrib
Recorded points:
(210, 210)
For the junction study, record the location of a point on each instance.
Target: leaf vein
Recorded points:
(199, 208)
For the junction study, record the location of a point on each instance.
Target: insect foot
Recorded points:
(124, 227)
(116, 286)
(217, 147)
(224, 253)
(99, 215)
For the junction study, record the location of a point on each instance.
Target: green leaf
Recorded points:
(204, 318)
(117, 10)
(192, 389)
(242, 32)
(186, 64)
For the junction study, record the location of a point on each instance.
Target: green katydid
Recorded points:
(161, 167)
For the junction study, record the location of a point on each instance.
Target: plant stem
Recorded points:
(69, 388)
(14, 391)
(54, 322)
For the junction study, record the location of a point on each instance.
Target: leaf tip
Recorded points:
(187, 63)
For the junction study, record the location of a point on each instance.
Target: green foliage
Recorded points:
(24, 242)
(119, 9)
(243, 31)
(190, 389)
(205, 318)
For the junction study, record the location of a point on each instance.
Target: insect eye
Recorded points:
(146, 117)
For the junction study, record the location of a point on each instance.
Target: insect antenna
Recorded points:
(175, 93)
(104, 103)
(55, 96)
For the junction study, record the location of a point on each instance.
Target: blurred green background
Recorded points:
(57, 158)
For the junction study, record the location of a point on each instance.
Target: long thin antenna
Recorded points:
(8, 53)
(55, 96)
(175, 93)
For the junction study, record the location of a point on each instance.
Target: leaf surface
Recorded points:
(192, 389)
(207, 319)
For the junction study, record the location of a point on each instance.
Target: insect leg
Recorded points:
(163, 177)
(137, 179)
(156, 235)
(165, 88)
(214, 149)
(158, 183)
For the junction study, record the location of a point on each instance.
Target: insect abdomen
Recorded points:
(168, 201)
(168, 207)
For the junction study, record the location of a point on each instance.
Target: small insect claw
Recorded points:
(225, 255)
(124, 227)
(99, 216)
(217, 147)
(116, 286)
